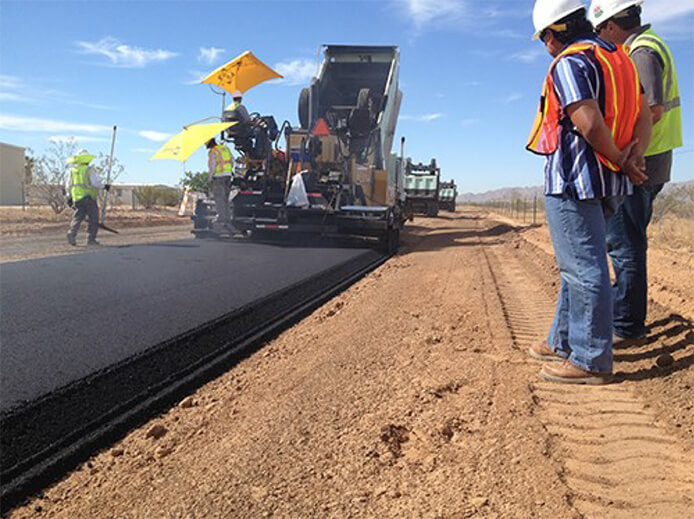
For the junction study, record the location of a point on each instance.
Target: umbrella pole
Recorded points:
(108, 175)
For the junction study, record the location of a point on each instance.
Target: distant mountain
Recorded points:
(504, 193)
(527, 193)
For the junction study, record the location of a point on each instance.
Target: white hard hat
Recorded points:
(547, 12)
(602, 10)
(83, 151)
(236, 93)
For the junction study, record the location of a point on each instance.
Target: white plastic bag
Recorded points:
(297, 196)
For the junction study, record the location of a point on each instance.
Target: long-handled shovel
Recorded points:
(102, 224)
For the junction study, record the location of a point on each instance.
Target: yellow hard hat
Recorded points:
(81, 157)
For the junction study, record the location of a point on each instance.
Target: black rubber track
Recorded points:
(43, 439)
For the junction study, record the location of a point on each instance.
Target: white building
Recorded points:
(11, 174)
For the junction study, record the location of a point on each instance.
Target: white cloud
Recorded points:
(154, 136)
(655, 11)
(508, 33)
(11, 96)
(529, 55)
(10, 82)
(296, 71)
(144, 150)
(511, 98)
(15, 89)
(77, 138)
(122, 55)
(196, 77)
(35, 124)
(426, 12)
(468, 122)
(209, 55)
(425, 118)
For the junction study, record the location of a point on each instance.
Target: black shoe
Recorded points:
(93, 242)
(71, 240)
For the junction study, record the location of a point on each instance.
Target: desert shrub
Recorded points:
(151, 196)
(199, 181)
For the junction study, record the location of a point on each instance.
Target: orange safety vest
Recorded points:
(622, 101)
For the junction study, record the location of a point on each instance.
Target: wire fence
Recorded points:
(676, 201)
(526, 210)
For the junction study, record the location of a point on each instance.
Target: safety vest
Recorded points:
(667, 132)
(224, 161)
(81, 185)
(622, 101)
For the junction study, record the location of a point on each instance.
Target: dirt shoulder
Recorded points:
(32, 220)
(409, 395)
(670, 261)
(39, 232)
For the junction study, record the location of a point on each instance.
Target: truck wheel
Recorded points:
(303, 108)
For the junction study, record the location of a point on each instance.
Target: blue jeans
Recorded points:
(627, 245)
(582, 327)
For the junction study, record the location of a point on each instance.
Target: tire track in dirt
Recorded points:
(618, 461)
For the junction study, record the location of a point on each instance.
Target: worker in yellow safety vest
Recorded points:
(619, 21)
(81, 187)
(240, 111)
(220, 167)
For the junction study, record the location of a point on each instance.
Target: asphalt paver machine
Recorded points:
(337, 176)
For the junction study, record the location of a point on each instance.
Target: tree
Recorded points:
(29, 166)
(100, 163)
(50, 172)
(196, 181)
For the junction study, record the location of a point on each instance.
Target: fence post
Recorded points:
(524, 209)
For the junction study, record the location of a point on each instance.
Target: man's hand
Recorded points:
(70, 203)
(633, 163)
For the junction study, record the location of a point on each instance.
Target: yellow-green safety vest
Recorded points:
(224, 161)
(667, 132)
(81, 184)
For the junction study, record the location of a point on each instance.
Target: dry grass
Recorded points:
(672, 232)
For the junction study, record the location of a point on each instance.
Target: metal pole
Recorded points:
(108, 175)
(535, 209)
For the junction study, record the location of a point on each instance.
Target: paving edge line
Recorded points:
(52, 463)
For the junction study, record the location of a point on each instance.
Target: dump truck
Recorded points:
(448, 192)
(338, 175)
(422, 188)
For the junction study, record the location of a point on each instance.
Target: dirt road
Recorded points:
(411, 395)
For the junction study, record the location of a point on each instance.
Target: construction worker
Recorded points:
(82, 187)
(241, 114)
(619, 21)
(220, 165)
(592, 126)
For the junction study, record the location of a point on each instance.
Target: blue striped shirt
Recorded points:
(574, 169)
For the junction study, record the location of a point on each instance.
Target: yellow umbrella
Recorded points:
(182, 145)
(241, 73)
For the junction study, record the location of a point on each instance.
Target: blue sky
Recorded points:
(470, 74)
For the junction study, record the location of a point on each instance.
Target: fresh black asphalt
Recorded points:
(67, 317)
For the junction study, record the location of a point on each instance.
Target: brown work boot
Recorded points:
(567, 373)
(541, 351)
